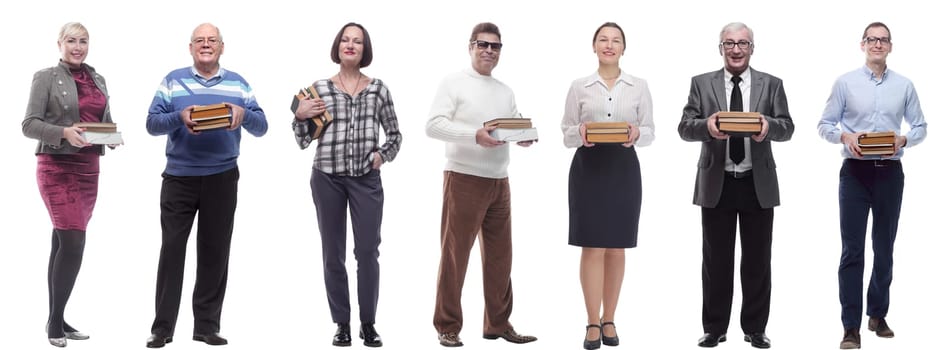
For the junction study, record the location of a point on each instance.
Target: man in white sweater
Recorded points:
(477, 197)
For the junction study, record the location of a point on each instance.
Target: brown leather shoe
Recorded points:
(449, 339)
(511, 336)
(879, 326)
(851, 339)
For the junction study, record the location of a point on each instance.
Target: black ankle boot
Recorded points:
(342, 337)
(367, 332)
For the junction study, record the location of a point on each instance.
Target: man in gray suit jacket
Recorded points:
(736, 182)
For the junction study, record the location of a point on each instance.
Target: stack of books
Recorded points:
(211, 117)
(101, 133)
(607, 132)
(877, 143)
(512, 129)
(739, 123)
(318, 123)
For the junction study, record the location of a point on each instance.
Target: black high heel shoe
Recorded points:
(595, 343)
(608, 341)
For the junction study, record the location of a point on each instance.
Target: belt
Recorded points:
(738, 175)
(876, 163)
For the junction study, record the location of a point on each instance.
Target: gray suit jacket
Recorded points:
(707, 96)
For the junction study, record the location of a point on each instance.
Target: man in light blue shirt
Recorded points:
(870, 99)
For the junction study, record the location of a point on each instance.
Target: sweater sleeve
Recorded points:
(442, 124)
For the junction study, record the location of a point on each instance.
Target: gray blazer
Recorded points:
(54, 105)
(707, 96)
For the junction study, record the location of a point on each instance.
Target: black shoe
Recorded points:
(210, 339)
(595, 343)
(342, 337)
(609, 341)
(157, 341)
(367, 332)
(710, 340)
(758, 340)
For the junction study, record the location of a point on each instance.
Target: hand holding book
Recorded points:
(307, 105)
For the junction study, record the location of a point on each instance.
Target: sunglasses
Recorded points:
(485, 44)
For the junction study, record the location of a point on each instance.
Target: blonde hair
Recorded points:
(73, 29)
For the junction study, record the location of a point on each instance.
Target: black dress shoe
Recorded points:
(157, 341)
(342, 337)
(710, 340)
(371, 338)
(210, 339)
(758, 340)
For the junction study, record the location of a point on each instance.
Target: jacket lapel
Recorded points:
(718, 89)
(757, 90)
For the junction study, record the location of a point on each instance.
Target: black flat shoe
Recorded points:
(210, 339)
(342, 337)
(371, 338)
(608, 341)
(710, 340)
(157, 341)
(595, 343)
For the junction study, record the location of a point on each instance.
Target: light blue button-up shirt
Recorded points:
(859, 102)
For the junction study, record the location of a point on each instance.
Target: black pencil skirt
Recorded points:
(605, 197)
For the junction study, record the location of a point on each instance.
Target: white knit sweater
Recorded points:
(463, 102)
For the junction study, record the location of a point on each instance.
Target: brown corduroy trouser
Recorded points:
(475, 207)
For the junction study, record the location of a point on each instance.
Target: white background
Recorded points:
(275, 296)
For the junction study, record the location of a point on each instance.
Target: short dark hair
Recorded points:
(877, 24)
(366, 45)
(485, 27)
(611, 25)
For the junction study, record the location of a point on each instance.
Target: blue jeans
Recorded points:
(867, 185)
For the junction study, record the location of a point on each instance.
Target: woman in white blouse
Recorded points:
(605, 187)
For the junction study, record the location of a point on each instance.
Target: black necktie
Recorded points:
(736, 148)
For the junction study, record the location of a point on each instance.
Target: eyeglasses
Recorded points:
(485, 44)
(872, 40)
(744, 45)
(210, 41)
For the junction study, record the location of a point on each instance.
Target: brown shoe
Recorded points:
(512, 336)
(851, 339)
(449, 339)
(879, 325)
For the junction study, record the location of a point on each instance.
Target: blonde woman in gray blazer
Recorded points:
(67, 170)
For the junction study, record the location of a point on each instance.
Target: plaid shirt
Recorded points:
(347, 144)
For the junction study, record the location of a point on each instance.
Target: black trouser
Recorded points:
(213, 198)
(718, 258)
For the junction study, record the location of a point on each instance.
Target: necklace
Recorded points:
(346, 89)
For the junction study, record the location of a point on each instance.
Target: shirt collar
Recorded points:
(869, 73)
(216, 77)
(595, 78)
(745, 76)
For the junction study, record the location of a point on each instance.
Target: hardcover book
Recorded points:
(512, 129)
(877, 143)
(211, 117)
(739, 123)
(607, 132)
